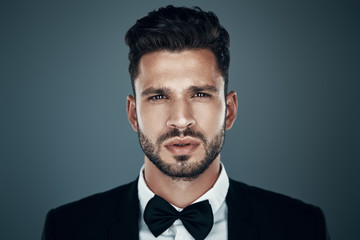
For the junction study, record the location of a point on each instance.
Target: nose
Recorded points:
(180, 116)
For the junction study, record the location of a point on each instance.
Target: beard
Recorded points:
(182, 169)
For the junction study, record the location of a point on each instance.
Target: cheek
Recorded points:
(151, 120)
(211, 117)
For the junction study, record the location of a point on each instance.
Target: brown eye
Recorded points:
(201, 95)
(157, 97)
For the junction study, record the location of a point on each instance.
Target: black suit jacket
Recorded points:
(253, 213)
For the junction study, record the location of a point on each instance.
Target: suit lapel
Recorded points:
(239, 226)
(127, 224)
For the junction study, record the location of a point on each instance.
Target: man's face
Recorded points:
(180, 111)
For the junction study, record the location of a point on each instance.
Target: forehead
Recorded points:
(178, 70)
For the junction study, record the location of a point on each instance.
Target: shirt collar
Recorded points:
(216, 195)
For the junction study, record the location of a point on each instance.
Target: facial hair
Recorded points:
(182, 169)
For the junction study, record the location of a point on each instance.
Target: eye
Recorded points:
(157, 97)
(201, 95)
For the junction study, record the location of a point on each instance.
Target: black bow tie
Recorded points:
(197, 218)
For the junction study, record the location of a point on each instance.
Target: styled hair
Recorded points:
(177, 29)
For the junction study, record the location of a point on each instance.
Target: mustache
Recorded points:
(181, 133)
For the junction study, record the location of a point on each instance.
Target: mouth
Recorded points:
(182, 146)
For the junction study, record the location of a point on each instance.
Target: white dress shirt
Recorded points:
(216, 196)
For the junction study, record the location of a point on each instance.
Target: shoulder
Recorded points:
(276, 214)
(100, 201)
(255, 196)
(95, 213)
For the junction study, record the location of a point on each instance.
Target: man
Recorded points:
(181, 108)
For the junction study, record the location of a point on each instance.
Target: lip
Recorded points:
(182, 146)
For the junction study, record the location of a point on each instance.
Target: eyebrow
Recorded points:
(165, 90)
(152, 90)
(203, 88)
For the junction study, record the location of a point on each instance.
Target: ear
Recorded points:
(231, 109)
(131, 112)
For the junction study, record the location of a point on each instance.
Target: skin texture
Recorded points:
(181, 114)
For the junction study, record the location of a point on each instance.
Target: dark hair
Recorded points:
(177, 29)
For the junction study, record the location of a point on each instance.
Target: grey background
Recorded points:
(65, 135)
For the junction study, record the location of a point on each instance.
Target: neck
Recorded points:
(178, 192)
